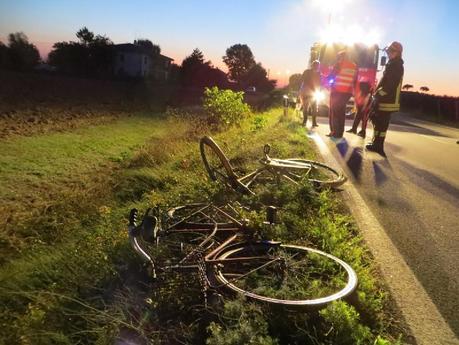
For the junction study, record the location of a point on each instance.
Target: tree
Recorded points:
(196, 58)
(240, 60)
(101, 55)
(294, 82)
(21, 55)
(3, 55)
(92, 55)
(407, 87)
(69, 57)
(196, 72)
(424, 89)
(258, 77)
(154, 49)
(191, 66)
(85, 36)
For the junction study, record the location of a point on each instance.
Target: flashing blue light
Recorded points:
(331, 81)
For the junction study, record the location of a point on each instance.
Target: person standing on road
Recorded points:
(362, 102)
(310, 84)
(342, 80)
(386, 99)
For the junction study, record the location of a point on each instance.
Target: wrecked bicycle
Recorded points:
(293, 170)
(228, 255)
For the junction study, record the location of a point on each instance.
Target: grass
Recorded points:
(46, 181)
(81, 283)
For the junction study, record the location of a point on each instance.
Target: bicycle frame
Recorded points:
(237, 230)
(275, 167)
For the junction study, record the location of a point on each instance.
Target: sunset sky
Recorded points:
(278, 32)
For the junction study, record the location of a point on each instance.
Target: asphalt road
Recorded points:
(414, 194)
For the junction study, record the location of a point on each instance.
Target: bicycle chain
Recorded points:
(202, 275)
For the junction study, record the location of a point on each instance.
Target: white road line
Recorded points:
(420, 313)
(448, 141)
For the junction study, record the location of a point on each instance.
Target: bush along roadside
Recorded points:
(93, 289)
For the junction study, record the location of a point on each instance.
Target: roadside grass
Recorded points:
(89, 287)
(51, 184)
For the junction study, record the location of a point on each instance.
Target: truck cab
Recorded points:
(364, 56)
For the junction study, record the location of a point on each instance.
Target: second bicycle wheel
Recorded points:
(318, 173)
(216, 163)
(286, 275)
(218, 166)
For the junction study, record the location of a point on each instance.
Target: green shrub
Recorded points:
(224, 107)
(258, 123)
(345, 326)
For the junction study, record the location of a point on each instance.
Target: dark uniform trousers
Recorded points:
(338, 101)
(381, 124)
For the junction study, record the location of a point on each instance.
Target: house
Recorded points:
(161, 67)
(136, 61)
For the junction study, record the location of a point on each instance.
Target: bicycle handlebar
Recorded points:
(135, 231)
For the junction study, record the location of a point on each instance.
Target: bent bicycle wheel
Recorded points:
(217, 164)
(285, 275)
(318, 173)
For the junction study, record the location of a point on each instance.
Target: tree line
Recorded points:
(408, 87)
(93, 55)
(18, 54)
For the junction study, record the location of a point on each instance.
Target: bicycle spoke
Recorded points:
(251, 271)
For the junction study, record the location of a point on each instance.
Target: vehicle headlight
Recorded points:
(318, 96)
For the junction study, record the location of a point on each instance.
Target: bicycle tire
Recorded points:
(225, 279)
(225, 164)
(323, 175)
(225, 171)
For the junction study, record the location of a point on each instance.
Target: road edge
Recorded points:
(420, 313)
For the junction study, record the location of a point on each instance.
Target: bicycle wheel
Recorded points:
(287, 275)
(318, 173)
(218, 166)
(216, 163)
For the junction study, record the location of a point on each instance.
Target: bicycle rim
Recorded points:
(285, 275)
(216, 163)
(317, 173)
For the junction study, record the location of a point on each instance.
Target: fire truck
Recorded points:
(366, 57)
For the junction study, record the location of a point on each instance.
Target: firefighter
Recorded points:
(341, 80)
(386, 99)
(310, 83)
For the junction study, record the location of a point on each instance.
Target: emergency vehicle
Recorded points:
(366, 57)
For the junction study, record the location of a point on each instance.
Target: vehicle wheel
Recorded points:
(286, 275)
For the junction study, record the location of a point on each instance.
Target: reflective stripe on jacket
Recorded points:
(388, 89)
(345, 77)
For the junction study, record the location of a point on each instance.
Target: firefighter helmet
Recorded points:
(395, 46)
